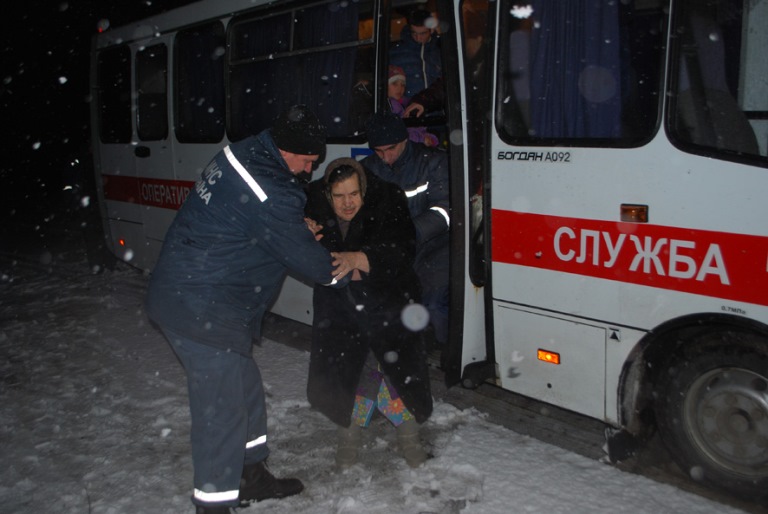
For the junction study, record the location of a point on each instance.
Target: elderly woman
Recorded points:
(365, 353)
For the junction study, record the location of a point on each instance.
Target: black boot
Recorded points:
(211, 509)
(259, 484)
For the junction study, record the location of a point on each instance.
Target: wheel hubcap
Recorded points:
(726, 415)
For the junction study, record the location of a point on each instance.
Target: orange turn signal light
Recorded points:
(549, 357)
(121, 242)
(634, 213)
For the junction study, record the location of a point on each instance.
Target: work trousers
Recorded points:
(229, 417)
(432, 267)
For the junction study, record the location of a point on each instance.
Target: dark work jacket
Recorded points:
(366, 315)
(422, 173)
(422, 64)
(230, 246)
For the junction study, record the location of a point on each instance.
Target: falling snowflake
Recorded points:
(415, 317)
(521, 11)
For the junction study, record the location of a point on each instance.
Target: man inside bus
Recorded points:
(422, 173)
(418, 52)
(224, 258)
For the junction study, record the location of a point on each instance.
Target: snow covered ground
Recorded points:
(94, 419)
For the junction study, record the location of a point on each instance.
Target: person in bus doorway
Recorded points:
(418, 52)
(398, 102)
(368, 350)
(224, 258)
(422, 173)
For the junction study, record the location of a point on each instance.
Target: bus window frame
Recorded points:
(182, 133)
(121, 110)
(151, 122)
(234, 62)
(674, 72)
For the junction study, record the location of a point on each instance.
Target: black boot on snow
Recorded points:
(213, 509)
(259, 484)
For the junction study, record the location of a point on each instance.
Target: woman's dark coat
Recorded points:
(366, 315)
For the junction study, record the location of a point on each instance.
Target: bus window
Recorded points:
(262, 36)
(114, 95)
(199, 71)
(601, 91)
(152, 92)
(719, 69)
(319, 66)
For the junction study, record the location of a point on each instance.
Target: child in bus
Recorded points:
(398, 102)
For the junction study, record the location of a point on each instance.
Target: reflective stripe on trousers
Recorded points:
(228, 412)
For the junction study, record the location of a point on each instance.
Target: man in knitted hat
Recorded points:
(422, 173)
(224, 258)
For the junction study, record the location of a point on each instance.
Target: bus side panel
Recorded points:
(554, 360)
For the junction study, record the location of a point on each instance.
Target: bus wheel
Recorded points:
(712, 411)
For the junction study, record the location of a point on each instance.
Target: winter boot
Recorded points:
(348, 445)
(212, 509)
(259, 484)
(409, 443)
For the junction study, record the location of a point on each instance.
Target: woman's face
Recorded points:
(347, 198)
(396, 89)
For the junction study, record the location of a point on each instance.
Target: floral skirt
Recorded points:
(375, 392)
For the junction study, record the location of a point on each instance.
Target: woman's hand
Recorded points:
(354, 262)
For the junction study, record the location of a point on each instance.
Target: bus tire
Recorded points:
(712, 411)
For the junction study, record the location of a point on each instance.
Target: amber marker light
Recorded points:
(122, 242)
(634, 213)
(550, 357)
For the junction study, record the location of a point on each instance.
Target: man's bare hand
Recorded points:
(314, 227)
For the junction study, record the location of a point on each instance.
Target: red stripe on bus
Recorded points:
(168, 194)
(716, 264)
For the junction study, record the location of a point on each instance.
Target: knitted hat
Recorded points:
(297, 130)
(396, 73)
(385, 128)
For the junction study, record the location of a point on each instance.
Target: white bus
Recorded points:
(609, 169)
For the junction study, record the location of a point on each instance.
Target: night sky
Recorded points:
(44, 96)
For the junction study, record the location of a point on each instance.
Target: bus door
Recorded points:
(135, 152)
(153, 152)
(181, 111)
(113, 148)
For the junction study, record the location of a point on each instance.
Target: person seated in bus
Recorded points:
(224, 258)
(366, 353)
(398, 102)
(422, 173)
(418, 52)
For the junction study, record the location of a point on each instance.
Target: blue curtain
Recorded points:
(575, 84)
(320, 79)
(327, 77)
